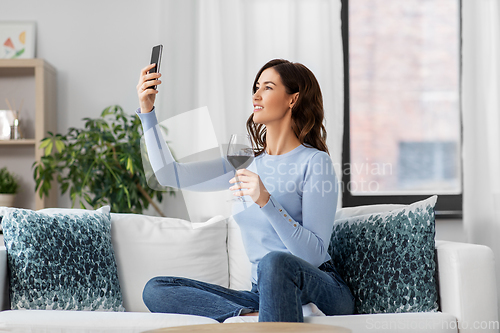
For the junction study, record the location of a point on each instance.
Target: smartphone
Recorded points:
(156, 59)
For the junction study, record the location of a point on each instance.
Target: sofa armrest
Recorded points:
(4, 280)
(467, 285)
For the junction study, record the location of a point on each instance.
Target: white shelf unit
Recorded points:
(32, 82)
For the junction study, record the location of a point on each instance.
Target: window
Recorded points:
(402, 133)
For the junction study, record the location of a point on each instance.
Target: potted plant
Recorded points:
(8, 187)
(100, 164)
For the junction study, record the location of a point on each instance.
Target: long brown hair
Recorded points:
(307, 112)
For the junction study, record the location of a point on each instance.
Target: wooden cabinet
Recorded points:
(32, 83)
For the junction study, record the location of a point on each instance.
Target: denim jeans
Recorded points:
(285, 283)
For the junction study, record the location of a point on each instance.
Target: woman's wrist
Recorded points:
(263, 199)
(145, 109)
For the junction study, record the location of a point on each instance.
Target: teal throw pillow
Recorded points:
(387, 258)
(61, 261)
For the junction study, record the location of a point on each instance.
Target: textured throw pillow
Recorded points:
(3, 211)
(61, 261)
(387, 258)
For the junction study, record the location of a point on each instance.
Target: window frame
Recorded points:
(447, 206)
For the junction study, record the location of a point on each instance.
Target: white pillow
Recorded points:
(240, 268)
(347, 212)
(72, 211)
(149, 246)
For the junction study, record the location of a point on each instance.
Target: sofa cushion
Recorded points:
(240, 267)
(39, 321)
(61, 260)
(149, 246)
(387, 258)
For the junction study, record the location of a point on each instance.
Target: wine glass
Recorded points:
(240, 154)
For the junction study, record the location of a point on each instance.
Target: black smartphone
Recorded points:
(156, 59)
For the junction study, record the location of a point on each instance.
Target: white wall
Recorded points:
(451, 230)
(97, 47)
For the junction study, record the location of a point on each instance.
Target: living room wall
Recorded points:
(97, 47)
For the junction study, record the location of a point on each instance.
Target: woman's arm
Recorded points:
(310, 240)
(210, 175)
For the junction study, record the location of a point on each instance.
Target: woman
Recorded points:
(286, 232)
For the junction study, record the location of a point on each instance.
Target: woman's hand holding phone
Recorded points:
(147, 96)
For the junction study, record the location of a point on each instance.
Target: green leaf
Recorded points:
(64, 187)
(128, 196)
(130, 165)
(106, 111)
(87, 198)
(48, 149)
(45, 142)
(59, 145)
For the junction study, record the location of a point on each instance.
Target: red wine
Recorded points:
(239, 161)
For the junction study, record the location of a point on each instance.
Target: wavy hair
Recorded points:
(307, 112)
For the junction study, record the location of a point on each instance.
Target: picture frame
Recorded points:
(17, 39)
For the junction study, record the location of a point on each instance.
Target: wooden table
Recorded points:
(254, 328)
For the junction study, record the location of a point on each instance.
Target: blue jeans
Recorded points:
(285, 283)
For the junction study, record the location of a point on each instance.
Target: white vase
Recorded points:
(7, 200)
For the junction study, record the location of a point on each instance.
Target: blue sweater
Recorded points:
(299, 216)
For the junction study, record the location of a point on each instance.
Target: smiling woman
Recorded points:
(285, 229)
(277, 86)
(273, 95)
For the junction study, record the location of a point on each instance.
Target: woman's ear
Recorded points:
(294, 99)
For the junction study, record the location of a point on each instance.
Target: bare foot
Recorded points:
(250, 314)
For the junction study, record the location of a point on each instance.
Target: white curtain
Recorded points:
(214, 48)
(481, 123)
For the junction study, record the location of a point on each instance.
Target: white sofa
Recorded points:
(212, 251)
